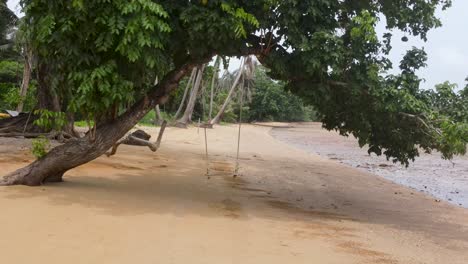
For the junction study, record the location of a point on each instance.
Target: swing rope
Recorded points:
(236, 171)
(206, 155)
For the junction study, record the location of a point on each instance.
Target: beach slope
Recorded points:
(174, 206)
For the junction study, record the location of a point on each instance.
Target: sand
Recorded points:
(286, 206)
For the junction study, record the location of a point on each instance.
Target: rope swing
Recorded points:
(241, 106)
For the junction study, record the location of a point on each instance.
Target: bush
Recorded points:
(10, 71)
(10, 96)
(40, 147)
(271, 102)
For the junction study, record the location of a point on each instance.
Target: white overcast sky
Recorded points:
(447, 46)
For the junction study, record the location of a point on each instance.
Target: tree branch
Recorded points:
(420, 120)
(132, 140)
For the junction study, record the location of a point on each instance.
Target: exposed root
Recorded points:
(19, 177)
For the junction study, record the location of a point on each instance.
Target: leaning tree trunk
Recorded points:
(158, 118)
(79, 151)
(25, 83)
(187, 117)
(221, 111)
(213, 80)
(187, 88)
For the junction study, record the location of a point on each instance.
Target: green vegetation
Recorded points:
(265, 100)
(12, 64)
(82, 124)
(50, 120)
(271, 102)
(40, 147)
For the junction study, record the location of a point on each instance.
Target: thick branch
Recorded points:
(132, 140)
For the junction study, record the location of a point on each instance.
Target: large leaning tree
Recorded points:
(102, 57)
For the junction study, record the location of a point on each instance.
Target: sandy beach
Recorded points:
(287, 205)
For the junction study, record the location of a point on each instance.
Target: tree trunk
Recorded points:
(187, 87)
(79, 151)
(69, 127)
(218, 116)
(213, 80)
(187, 117)
(25, 83)
(46, 98)
(158, 118)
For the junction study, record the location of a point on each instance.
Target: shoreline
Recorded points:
(429, 173)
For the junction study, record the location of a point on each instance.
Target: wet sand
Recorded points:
(286, 206)
(443, 179)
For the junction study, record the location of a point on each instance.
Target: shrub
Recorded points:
(40, 147)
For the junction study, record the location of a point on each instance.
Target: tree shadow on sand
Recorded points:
(184, 190)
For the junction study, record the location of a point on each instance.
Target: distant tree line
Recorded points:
(263, 99)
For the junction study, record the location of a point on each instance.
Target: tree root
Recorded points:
(132, 140)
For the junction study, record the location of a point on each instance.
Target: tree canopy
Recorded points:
(105, 54)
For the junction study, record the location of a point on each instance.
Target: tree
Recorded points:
(270, 102)
(213, 82)
(22, 40)
(101, 59)
(9, 58)
(187, 116)
(187, 88)
(451, 109)
(234, 85)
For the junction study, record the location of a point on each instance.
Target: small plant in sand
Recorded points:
(40, 147)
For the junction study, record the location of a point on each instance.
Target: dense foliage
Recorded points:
(7, 22)
(11, 63)
(271, 102)
(103, 56)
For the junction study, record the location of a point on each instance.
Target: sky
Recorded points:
(447, 46)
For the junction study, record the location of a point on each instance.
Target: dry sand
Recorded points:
(287, 206)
